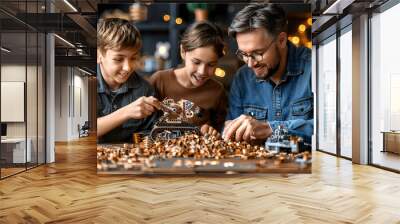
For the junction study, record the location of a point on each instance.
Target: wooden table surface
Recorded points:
(205, 166)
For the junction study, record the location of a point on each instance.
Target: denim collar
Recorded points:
(102, 86)
(294, 66)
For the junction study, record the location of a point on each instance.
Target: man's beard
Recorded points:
(270, 72)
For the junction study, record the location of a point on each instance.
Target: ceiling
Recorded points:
(18, 17)
(327, 13)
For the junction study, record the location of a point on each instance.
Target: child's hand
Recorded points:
(207, 129)
(143, 107)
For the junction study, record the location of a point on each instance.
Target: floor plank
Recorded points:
(386, 159)
(70, 191)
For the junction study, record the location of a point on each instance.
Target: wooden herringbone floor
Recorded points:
(69, 191)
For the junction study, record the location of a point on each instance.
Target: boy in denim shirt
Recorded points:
(125, 101)
(273, 88)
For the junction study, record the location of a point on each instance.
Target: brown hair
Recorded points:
(202, 34)
(116, 33)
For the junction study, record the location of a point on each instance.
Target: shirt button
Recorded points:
(278, 114)
(114, 106)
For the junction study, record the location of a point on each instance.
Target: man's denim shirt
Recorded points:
(289, 103)
(108, 102)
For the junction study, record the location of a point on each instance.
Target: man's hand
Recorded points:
(142, 107)
(246, 128)
(207, 129)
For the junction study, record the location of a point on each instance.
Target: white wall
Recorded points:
(34, 124)
(14, 73)
(61, 103)
(71, 102)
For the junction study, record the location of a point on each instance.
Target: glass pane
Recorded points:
(327, 97)
(346, 94)
(41, 99)
(385, 85)
(13, 85)
(31, 100)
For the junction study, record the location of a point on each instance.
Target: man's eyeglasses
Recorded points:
(256, 56)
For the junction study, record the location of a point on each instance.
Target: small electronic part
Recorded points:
(282, 141)
(176, 121)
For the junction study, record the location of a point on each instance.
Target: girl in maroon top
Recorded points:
(201, 46)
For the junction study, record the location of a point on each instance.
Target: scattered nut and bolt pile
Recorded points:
(187, 146)
(190, 146)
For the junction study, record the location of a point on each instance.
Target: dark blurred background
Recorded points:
(162, 24)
